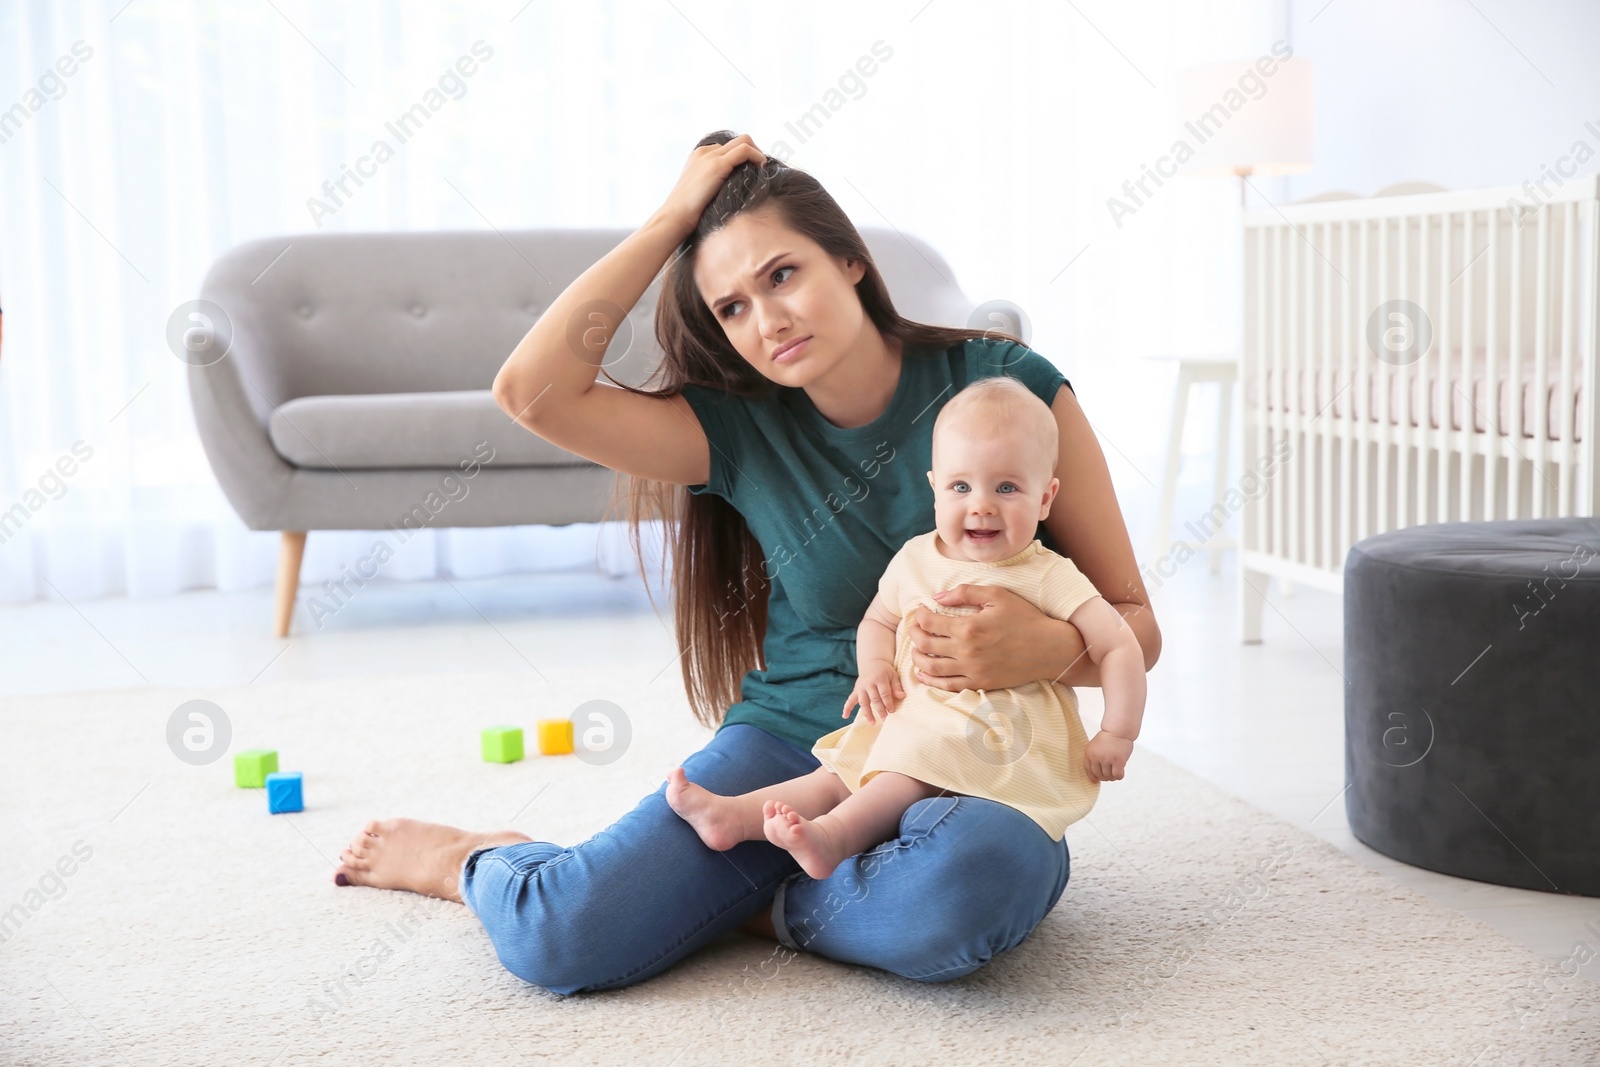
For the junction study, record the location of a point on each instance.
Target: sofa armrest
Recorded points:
(253, 476)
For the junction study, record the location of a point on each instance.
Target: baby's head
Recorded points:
(994, 461)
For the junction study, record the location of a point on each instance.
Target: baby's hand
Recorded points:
(877, 690)
(1106, 755)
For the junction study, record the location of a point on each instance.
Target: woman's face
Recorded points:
(769, 285)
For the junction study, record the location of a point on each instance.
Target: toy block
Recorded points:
(555, 737)
(250, 769)
(283, 792)
(502, 744)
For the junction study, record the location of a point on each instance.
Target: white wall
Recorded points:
(1462, 94)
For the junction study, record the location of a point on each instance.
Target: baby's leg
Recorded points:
(723, 822)
(868, 817)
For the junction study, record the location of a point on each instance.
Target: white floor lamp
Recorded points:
(1248, 117)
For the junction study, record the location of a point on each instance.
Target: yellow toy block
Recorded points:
(555, 737)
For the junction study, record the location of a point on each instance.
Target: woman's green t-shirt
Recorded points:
(830, 507)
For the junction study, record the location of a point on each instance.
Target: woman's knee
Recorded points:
(554, 972)
(625, 909)
(616, 909)
(992, 874)
(568, 950)
(544, 954)
(989, 853)
(540, 942)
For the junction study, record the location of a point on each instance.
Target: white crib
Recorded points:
(1493, 419)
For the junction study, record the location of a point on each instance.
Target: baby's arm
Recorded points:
(1111, 644)
(875, 670)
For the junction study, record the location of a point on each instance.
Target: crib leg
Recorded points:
(1252, 598)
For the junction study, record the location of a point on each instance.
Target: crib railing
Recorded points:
(1414, 359)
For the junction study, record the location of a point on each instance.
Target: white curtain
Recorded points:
(144, 139)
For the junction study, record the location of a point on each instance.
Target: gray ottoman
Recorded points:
(1472, 700)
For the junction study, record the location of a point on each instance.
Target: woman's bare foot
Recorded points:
(420, 857)
(804, 839)
(717, 819)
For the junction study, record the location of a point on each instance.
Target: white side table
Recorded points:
(1222, 371)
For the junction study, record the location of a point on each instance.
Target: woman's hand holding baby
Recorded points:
(1106, 756)
(1006, 642)
(877, 690)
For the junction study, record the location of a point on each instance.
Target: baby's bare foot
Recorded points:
(419, 857)
(806, 840)
(715, 818)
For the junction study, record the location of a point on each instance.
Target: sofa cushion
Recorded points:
(407, 430)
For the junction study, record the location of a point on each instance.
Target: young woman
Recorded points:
(787, 451)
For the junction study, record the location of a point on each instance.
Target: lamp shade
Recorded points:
(1248, 117)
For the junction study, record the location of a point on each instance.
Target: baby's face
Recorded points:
(989, 494)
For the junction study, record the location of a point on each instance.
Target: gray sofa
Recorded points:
(357, 368)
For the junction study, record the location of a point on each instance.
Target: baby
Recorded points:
(994, 456)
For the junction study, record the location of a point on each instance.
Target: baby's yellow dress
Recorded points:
(1023, 746)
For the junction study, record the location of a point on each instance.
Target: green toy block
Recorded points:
(502, 744)
(250, 769)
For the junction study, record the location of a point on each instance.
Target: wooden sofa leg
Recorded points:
(290, 551)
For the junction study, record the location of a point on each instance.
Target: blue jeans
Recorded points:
(966, 879)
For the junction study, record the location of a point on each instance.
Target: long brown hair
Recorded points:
(721, 588)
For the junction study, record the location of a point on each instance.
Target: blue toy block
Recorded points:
(283, 792)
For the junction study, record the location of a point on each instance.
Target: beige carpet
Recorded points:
(199, 929)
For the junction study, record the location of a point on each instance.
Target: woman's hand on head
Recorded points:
(708, 167)
(1008, 642)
